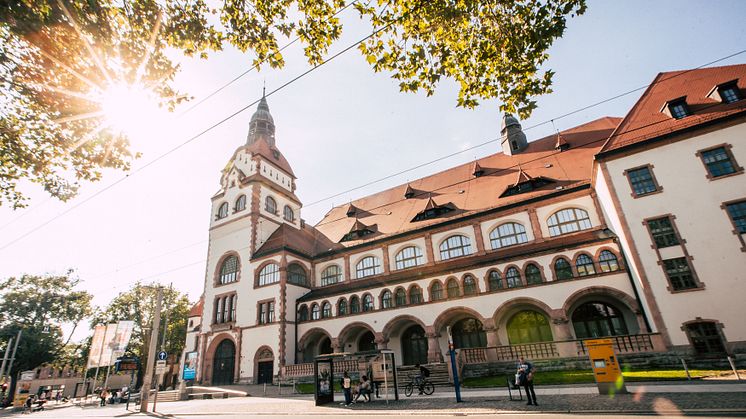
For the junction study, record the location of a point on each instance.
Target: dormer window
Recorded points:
(432, 210)
(222, 211)
(526, 186)
(676, 108)
(356, 234)
(358, 231)
(409, 192)
(727, 92)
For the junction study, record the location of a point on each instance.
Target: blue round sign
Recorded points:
(162, 355)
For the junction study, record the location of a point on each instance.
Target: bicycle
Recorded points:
(426, 386)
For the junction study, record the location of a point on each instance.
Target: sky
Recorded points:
(340, 127)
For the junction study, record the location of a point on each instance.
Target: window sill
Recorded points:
(636, 196)
(699, 287)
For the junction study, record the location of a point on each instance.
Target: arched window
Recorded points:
(608, 261)
(533, 274)
(229, 270)
(408, 257)
(368, 266)
(367, 302)
(342, 307)
(568, 221)
(326, 311)
(513, 277)
(354, 304)
(528, 326)
(455, 246)
(584, 265)
(303, 313)
(508, 234)
(452, 288)
(222, 210)
(436, 292)
(240, 203)
(494, 281)
(386, 299)
(415, 295)
(270, 205)
(468, 333)
(288, 214)
(269, 274)
(315, 312)
(470, 285)
(297, 275)
(401, 297)
(331, 275)
(366, 342)
(562, 269)
(596, 319)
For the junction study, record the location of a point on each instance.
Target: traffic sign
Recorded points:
(160, 367)
(162, 355)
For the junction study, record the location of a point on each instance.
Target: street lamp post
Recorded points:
(147, 380)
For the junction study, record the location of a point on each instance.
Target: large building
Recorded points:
(530, 250)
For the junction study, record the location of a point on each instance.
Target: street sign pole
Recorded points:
(147, 380)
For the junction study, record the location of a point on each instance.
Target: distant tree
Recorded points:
(58, 58)
(39, 305)
(138, 304)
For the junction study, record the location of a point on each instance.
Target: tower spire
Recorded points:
(262, 124)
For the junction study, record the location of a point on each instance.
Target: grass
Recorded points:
(585, 376)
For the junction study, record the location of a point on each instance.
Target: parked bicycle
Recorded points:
(423, 384)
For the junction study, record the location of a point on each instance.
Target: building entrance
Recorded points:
(414, 346)
(224, 363)
(265, 372)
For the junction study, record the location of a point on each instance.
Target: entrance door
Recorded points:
(224, 362)
(265, 372)
(414, 346)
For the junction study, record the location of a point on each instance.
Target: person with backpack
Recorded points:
(419, 379)
(525, 376)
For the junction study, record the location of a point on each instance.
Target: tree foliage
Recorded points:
(57, 56)
(138, 305)
(38, 305)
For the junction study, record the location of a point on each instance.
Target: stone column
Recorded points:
(493, 340)
(381, 341)
(479, 239)
(566, 346)
(434, 354)
(336, 346)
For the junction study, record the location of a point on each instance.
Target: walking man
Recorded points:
(347, 388)
(526, 379)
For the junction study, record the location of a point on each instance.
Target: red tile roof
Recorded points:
(645, 121)
(271, 153)
(196, 310)
(306, 241)
(393, 213)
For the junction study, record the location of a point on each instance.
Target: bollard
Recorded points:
(686, 369)
(733, 367)
(265, 389)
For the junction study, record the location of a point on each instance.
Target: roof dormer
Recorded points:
(676, 108)
(358, 231)
(727, 92)
(477, 170)
(433, 210)
(525, 183)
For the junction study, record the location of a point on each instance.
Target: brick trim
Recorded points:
(724, 207)
(682, 243)
(729, 152)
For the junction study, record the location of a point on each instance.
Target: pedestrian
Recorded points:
(347, 388)
(103, 395)
(526, 372)
(363, 389)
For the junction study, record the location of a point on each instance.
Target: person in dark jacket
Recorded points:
(526, 372)
(347, 388)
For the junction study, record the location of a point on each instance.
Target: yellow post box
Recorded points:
(605, 366)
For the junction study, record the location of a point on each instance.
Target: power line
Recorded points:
(201, 133)
(483, 144)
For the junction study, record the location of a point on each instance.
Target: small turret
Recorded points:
(513, 139)
(262, 124)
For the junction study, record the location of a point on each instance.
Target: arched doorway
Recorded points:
(468, 333)
(597, 319)
(366, 342)
(264, 362)
(224, 363)
(325, 347)
(414, 346)
(529, 326)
